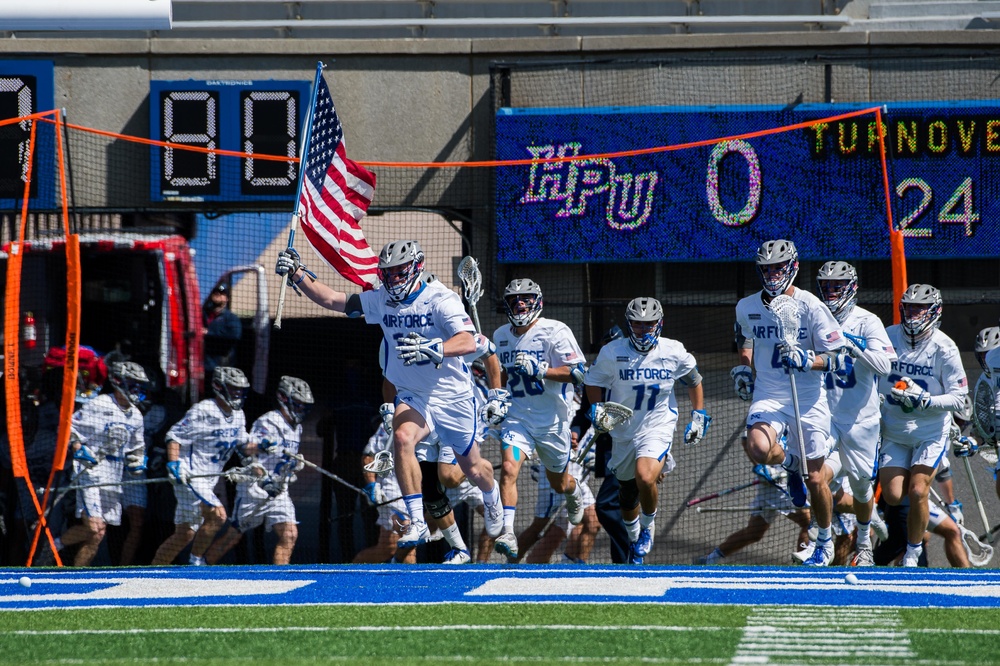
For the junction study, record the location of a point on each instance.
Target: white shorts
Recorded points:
(624, 455)
(103, 503)
(771, 502)
(843, 524)
(134, 494)
(927, 453)
(431, 450)
(858, 447)
(465, 492)
(780, 416)
(254, 508)
(191, 498)
(456, 424)
(553, 447)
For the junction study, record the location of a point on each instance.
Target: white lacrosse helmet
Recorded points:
(230, 386)
(778, 264)
(986, 339)
(400, 264)
(644, 311)
(920, 311)
(838, 288)
(523, 301)
(295, 398)
(130, 380)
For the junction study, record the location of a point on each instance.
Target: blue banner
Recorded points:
(820, 186)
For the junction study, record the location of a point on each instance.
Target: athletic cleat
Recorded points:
(822, 554)
(416, 534)
(633, 556)
(494, 516)
(457, 556)
(801, 556)
(863, 557)
(797, 488)
(644, 543)
(701, 561)
(574, 506)
(911, 558)
(506, 545)
(878, 527)
(435, 535)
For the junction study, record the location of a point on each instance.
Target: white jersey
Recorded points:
(207, 437)
(854, 398)
(643, 382)
(992, 377)
(818, 330)
(274, 428)
(935, 365)
(109, 431)
(539, 405)
(434, 311)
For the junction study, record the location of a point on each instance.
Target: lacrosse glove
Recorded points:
(743, 377)
(696, 430)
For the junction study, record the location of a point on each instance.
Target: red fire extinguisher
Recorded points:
(28, 332)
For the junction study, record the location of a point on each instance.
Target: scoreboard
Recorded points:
(26, 87)
(263, 117)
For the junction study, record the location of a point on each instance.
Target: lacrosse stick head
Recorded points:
(471, 279)
(609, 415)
(522, 299)
(382, 464)
(786, 310)
(984, 411)
(777, 264)
(295, 399)
(838, 288)
(979, 553)
(920, 311)
(645, 321)
(400, 265)
(986, 339)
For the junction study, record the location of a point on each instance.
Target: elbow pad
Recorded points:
(353, 307)
(692, 378)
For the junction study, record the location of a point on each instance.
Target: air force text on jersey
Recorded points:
(637, 374)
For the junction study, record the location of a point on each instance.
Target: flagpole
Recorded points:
(303, 148)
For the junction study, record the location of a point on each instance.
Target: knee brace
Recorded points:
(628, 495)
(435, 501)
(944, 473)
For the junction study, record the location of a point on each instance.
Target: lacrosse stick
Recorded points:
(741, 509)
(382, 464)
(984, 413)
(723, 493)
(472, 286)
(586, 443)
(295, 456)
(786, 311)
(606, 416)
(979, 553)
(979, 500)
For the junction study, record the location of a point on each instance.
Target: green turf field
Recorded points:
(504, 633)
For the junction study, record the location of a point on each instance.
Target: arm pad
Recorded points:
(353, 306)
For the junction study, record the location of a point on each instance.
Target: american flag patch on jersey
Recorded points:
(963, 382)
(833, 337)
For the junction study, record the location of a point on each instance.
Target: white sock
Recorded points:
(824, 534)
(633, 528)
(864, 534)
(454, 537)
(508, 518)
(914, 550)
(646, 519)
(490, 496)
(715, 557)
(196, 561)
(415, 507)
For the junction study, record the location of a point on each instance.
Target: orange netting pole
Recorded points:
(896, 248)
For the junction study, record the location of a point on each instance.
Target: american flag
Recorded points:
(336, 193)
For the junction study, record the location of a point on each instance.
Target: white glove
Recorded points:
(965, 447)
(415, 348)
(743, 376)
(526, 364)
(840, 363)
(177, 474)
(695, 431)
(270, 486)
(373, 492)
(387, 410)
(794, 358)
(135, 462)
(85, 456)
(288, 263)
(909, 395)
(497, 404)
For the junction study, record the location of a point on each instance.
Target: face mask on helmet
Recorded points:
(295, 398)
(523, 301)
(920, 311)
(986, 339)
(400, 265)
(230, 386)
(777, 264)
(645, 321)
(838, 288)
(130, 380)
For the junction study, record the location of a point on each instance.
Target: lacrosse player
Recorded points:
(852, 392)
(990, 362)
(762, 376)
(642, 369)
(926, 384)
(382, 487)
(107, 440)
(198, 447)
(431, 330)
(262, 498)
(542, 362)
